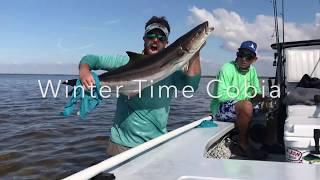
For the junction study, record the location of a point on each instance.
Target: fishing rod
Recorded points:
(280, 72)
(279, 55)
(283, 74)
(276, 55)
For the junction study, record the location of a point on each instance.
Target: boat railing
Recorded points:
(118, 159)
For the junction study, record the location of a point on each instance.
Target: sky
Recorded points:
(42, 36)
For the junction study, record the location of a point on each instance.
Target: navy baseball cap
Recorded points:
(249, 45)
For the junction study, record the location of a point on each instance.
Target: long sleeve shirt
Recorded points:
(138, 120)
(232, 84)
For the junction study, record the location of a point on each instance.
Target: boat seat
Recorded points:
(304, 110)
(301, 110)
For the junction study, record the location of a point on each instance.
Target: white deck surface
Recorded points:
(183, 157)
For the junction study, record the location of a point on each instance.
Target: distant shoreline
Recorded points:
(260, 77)
(39, 74)
(204, 76)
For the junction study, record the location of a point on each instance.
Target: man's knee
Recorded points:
(245, 107)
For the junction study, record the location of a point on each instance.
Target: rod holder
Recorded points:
(270, 85)
(316, 136)
(317, 99)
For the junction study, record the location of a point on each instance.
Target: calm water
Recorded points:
(37, 143)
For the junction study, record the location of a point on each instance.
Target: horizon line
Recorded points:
(54, 74)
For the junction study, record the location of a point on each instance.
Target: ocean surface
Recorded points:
(36, 142)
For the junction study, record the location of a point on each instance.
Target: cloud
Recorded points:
(266, 58)
(232, 28)
(317, 21)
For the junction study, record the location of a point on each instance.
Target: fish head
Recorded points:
(195, 39)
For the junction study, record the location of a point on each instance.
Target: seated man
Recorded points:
(237, 84)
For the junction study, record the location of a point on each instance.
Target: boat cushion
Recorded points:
(303, 110)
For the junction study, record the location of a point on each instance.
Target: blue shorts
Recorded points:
(227, 111)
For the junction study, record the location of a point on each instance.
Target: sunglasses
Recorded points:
(158, 36)
(245, 56)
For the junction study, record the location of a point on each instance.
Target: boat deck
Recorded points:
(183, 158)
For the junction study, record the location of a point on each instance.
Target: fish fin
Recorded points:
(70, 92)
(71, 82)
(135, 56)
(185, 67)
(130, 93)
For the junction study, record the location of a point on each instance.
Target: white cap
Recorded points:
(157, 26)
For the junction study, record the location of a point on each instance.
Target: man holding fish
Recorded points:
(139, 118)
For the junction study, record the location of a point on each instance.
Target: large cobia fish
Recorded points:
(154, 68)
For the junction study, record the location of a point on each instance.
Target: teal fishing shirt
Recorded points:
(138, 120)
